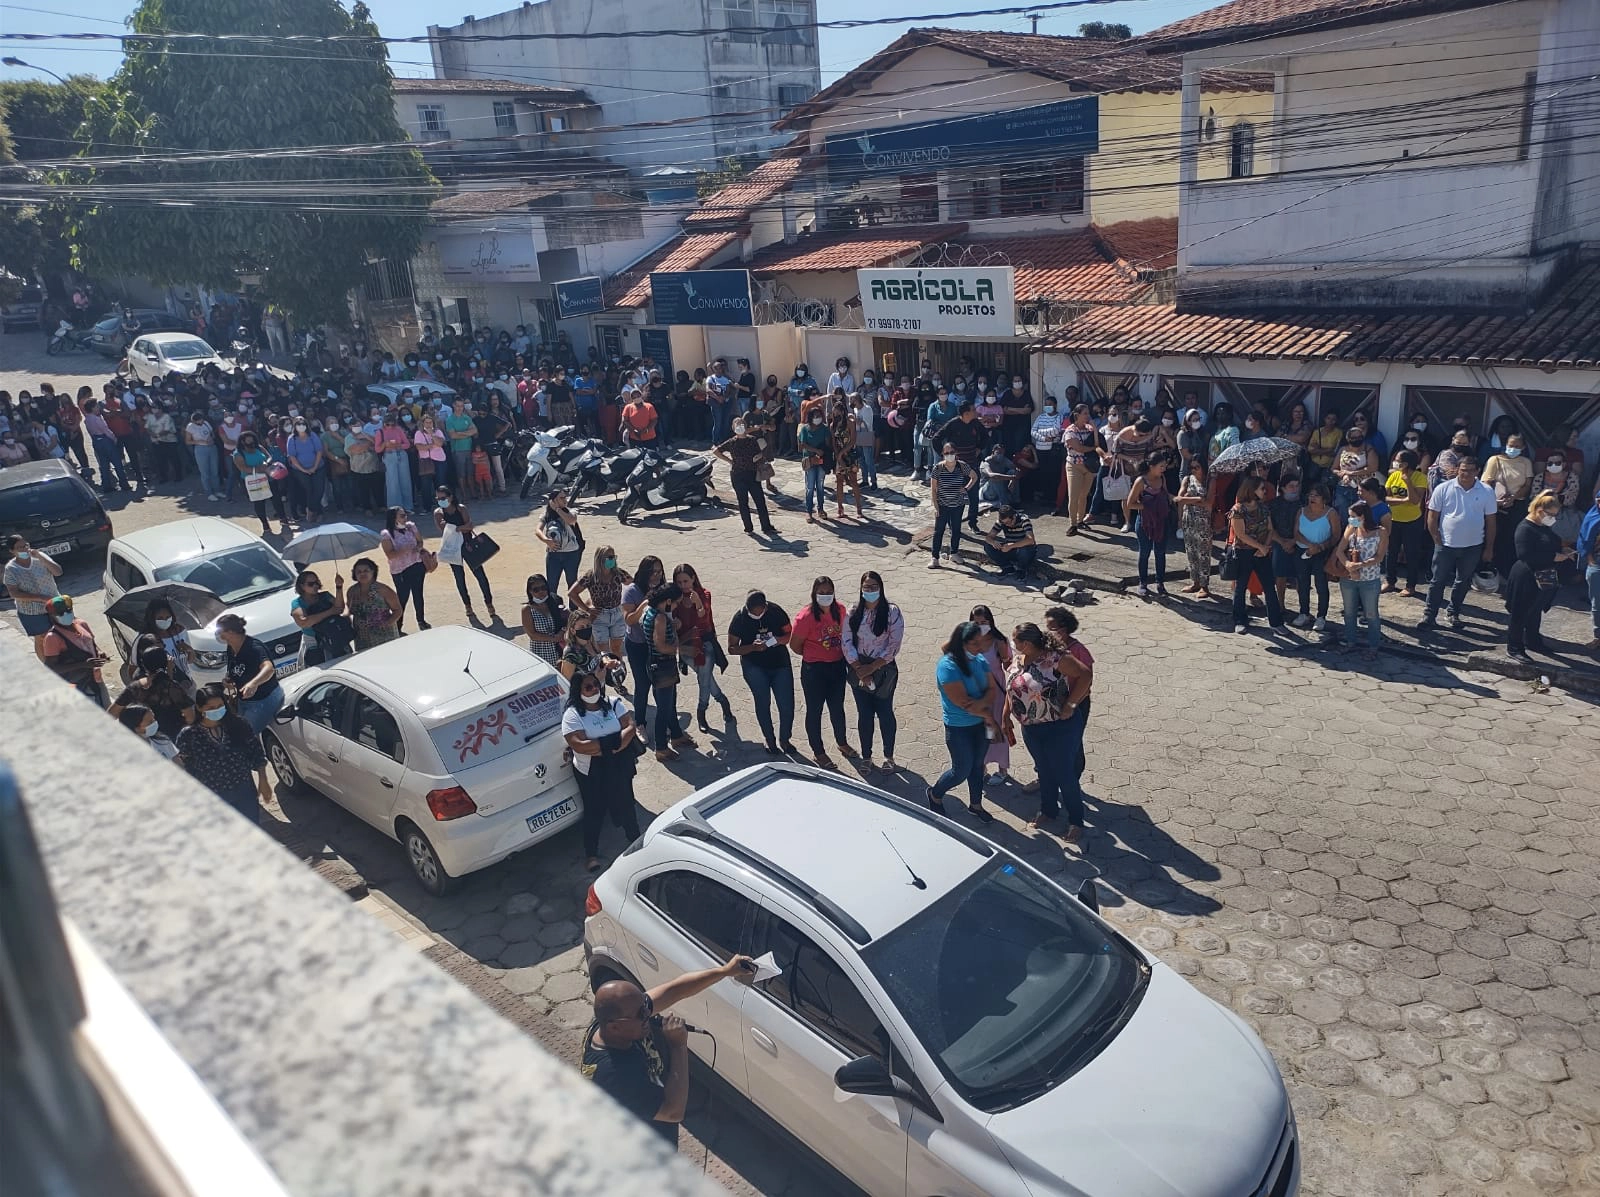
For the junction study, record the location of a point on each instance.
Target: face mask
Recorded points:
(1547, 520)
(1356, 440)
(1169, 423)
(799, 373)
(823, 600)
(444, 504)
(407, 419)
(152, 730)
(65, 620)
(961, 387)
(738, 428)
(23, 557)
(1512, 452)
(949, 459)
(1411, 442)
(1049, 411)
(611, 563)
(333, 425)
(300, 427)
(867, 381)
(215, 714)
(294, 411)
(1291, 492)
(870, 596)
(163, 624)
(583, 633)
(1419, 425)
(1556, 467)
(984, 628)
(816, 421)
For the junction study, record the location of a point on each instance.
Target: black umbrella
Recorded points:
(192, 606)
(1236, 459)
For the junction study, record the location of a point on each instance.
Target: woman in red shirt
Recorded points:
(697, 642)
(818, 640)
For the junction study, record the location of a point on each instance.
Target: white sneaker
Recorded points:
(214, 498)
(934, 564)
(1144, 592)
(1302, 621)
(1241, 628)
(1125, 528)
(947, 559)
(1320, 626)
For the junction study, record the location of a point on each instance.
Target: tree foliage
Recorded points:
(1104, 31)
(216, 159)
(47, 119)
(709, 182)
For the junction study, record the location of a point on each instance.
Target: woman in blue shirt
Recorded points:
(966, 696)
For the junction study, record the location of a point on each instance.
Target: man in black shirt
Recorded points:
(965, 434)
(759, 636)
(638, 1055)
(744, 387)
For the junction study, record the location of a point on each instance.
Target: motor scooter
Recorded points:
(656, 484)
(534, 449)
(66, 339)
(601, 472)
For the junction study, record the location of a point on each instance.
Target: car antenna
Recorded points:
(915, 880)
(467, 669)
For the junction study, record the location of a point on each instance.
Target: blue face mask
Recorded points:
(66, 620)
(870, 596)
(444, 504)
(215, 714)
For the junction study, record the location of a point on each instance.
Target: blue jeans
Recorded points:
(1452, 568)
(1056, 748)
(967, 746)
(768, 686)
(869, 464)
(108, 452)
(667, 726)
(1592, 576)
(1020, 560)
(1146, 547)
(1343, 496)
(815, 477)
(639, 666)
(205, 460)
(1364, 595)
(397, 478)
(721, 422)
(258, 712)
(243, 799)
(562, 565)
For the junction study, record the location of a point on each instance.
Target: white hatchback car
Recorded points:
(448, 740)
(944, 1019)
(155, 355)
(236, 565)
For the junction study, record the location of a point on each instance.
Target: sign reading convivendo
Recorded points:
(948, 302)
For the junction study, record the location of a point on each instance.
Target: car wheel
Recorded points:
(278, 757)
(424, 862)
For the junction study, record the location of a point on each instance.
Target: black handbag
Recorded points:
(478, 548)
(1229, 570)
(337, 636)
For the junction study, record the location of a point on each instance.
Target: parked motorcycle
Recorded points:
(533, 455)
(600, 473)
(67, 339)
(656, 484)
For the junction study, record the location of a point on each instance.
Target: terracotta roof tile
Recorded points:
(1249, 19)
(1563, 332)
(630, 288)
(736, 201)
(856, 249)
(1087, 64)
(1068, 267)
(1149, 244)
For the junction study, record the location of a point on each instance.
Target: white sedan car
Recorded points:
(449, 741)
(155, 355)
(931, 1015)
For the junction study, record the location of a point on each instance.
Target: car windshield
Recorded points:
(47, 500)
(185, 351)
(1008, 983)
(109, 325)
(234, 577)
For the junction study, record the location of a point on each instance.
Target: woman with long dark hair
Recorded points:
(872, 638)
(996, 650)
(402, 545)
(818, 640)
(966, 698)
(449, 512)
(221, 751)
(650, 574)
(599, 730)
(661, 635)
(1044, 688)
(544, 619)
(698, 644)
(562, 538)
(311, 609)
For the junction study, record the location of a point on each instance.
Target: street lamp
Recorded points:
(12, 61)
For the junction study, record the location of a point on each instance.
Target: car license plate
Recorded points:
(549, 815)
(285, 668)
(61, 546)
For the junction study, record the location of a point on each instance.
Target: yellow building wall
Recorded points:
(1135, 174)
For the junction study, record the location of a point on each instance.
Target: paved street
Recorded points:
(1394, 873)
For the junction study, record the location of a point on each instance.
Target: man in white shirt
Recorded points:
(1461, 518)
(867, 441)
(841, 378)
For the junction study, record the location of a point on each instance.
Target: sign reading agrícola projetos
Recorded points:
(953, 302)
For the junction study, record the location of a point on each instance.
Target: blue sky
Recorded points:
(841, 48)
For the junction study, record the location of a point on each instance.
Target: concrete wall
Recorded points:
(466, 116)
(352, 1065)
(1567, 131)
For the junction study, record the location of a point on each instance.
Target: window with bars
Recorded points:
(792, 94)
(430, 119)
(505, 116)
(1241, 150)
(389, 278)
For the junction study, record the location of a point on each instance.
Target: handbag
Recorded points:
(1228, 571)
(1335, 567)
(1116, 485)
(337, 636)
(478, 548)
(430, 561)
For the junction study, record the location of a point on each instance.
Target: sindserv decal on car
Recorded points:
(513, 719)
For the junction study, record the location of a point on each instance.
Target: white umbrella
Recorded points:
(330, 542)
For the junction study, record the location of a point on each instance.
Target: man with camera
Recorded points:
(638, 1054)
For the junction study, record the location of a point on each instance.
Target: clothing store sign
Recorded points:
(493, 257)
(998, 139)
(978, 302)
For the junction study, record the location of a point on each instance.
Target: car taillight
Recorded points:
(451, 803)
(591, 904)
(105, 527)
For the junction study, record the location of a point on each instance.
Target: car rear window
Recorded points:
(52, 499)
(502, 727)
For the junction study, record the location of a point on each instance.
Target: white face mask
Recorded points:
(163, 624)
(985, 628)
(152, 730)
(1556, 467)
(824, 600)
(1513, 451)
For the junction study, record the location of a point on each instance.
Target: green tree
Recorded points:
(46, 119)
(1104, 31)
(709, 182)
(215, 159)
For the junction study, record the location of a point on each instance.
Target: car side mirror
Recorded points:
(865, 1075)
(287, 715)
(1089, 895)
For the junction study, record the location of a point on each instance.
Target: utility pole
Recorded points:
(1034, 17)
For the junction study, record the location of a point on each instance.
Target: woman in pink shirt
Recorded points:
(402, 545)
(818, 640)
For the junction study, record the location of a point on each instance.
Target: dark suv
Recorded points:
(53, 507)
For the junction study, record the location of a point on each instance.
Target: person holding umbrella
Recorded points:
(317, 613)
(163, 624)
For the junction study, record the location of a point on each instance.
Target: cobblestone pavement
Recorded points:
(1393, 873)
